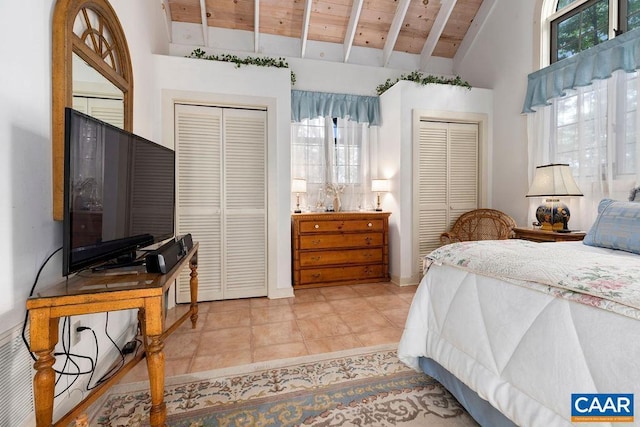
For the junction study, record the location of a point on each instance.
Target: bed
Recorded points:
(512, 328)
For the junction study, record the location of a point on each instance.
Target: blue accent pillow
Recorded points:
(616, 227)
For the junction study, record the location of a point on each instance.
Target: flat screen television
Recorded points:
(119, 193)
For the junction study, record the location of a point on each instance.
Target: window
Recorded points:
(323, 151)
(332, 154)
(598, 145)
(576, 25)
(592, 126)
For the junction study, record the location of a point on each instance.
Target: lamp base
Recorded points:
(297, 211)
(553, 215)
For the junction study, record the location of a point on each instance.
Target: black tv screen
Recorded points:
(119, 192)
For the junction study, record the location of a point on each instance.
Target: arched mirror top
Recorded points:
(88, 30)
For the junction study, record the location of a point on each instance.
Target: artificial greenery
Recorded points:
(249, 60)
(418, 77)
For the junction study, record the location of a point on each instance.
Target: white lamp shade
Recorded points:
(553, 180)
(299, 185)
(380, 185)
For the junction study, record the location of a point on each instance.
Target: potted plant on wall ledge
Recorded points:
(418, 77)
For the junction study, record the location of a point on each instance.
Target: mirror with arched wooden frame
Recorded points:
(91, 30)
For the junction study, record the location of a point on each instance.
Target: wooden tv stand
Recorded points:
(87, 293)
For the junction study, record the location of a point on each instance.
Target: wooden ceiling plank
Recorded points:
(305, 26)
(184, 11)
(436, 31)
(166, 9)
(472, 33)
(351, 28)
(205, 24)
(366, 23)
(392, 35)
(256, 26)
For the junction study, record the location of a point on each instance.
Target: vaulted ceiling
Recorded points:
(429, 28)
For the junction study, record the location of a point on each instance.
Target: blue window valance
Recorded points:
(599, 62)
(309, 105)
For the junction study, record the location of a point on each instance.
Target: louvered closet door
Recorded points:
(198, 136)
(107, 110)
(447, 179)
(222, 199)
(245, 227)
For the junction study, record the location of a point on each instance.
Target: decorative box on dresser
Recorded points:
(339, 248)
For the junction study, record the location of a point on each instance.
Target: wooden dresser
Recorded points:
(339, 248)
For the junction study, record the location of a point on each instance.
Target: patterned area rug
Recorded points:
(370, 387)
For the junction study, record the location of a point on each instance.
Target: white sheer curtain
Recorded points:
(333, 154)
(595, 130)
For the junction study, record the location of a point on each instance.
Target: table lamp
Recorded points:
(298, 185)
(553, 181)
(380, 186)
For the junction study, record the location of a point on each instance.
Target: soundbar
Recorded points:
(186, 243)
(163, 259)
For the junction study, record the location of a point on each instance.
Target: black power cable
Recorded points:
(66, 332)
(65, 328)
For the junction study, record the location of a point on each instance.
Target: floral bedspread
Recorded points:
(601, 280)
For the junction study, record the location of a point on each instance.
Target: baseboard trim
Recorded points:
(405, 281)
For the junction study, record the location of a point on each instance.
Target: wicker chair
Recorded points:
(480, 224)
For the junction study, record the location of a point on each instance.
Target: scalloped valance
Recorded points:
(309, 105)
(598, 62)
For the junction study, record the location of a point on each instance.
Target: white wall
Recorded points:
(26, 224)
(501, 59)
(26, 221)
(223, 84)
(398, 105)
(329, 76)
(242, 43)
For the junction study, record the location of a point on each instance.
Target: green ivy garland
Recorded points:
(418, 77)
(249, 60)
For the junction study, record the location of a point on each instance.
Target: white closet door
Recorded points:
(446, 177)
(245, 195)
(463, 169)
(105, 109)
(227, 214)
(198, 141)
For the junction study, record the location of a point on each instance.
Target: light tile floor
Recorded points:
(319, 320)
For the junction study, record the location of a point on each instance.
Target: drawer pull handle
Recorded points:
(368, 255)
(316, 275)
(316, 226)
(369, 225)
(316, 258)
(315, 242)
(368, 240)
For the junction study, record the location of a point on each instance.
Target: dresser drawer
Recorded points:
(356, 256)
(332, 241)
(336, 274)
(341, 225)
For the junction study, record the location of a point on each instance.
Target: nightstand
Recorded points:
(538, 235)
